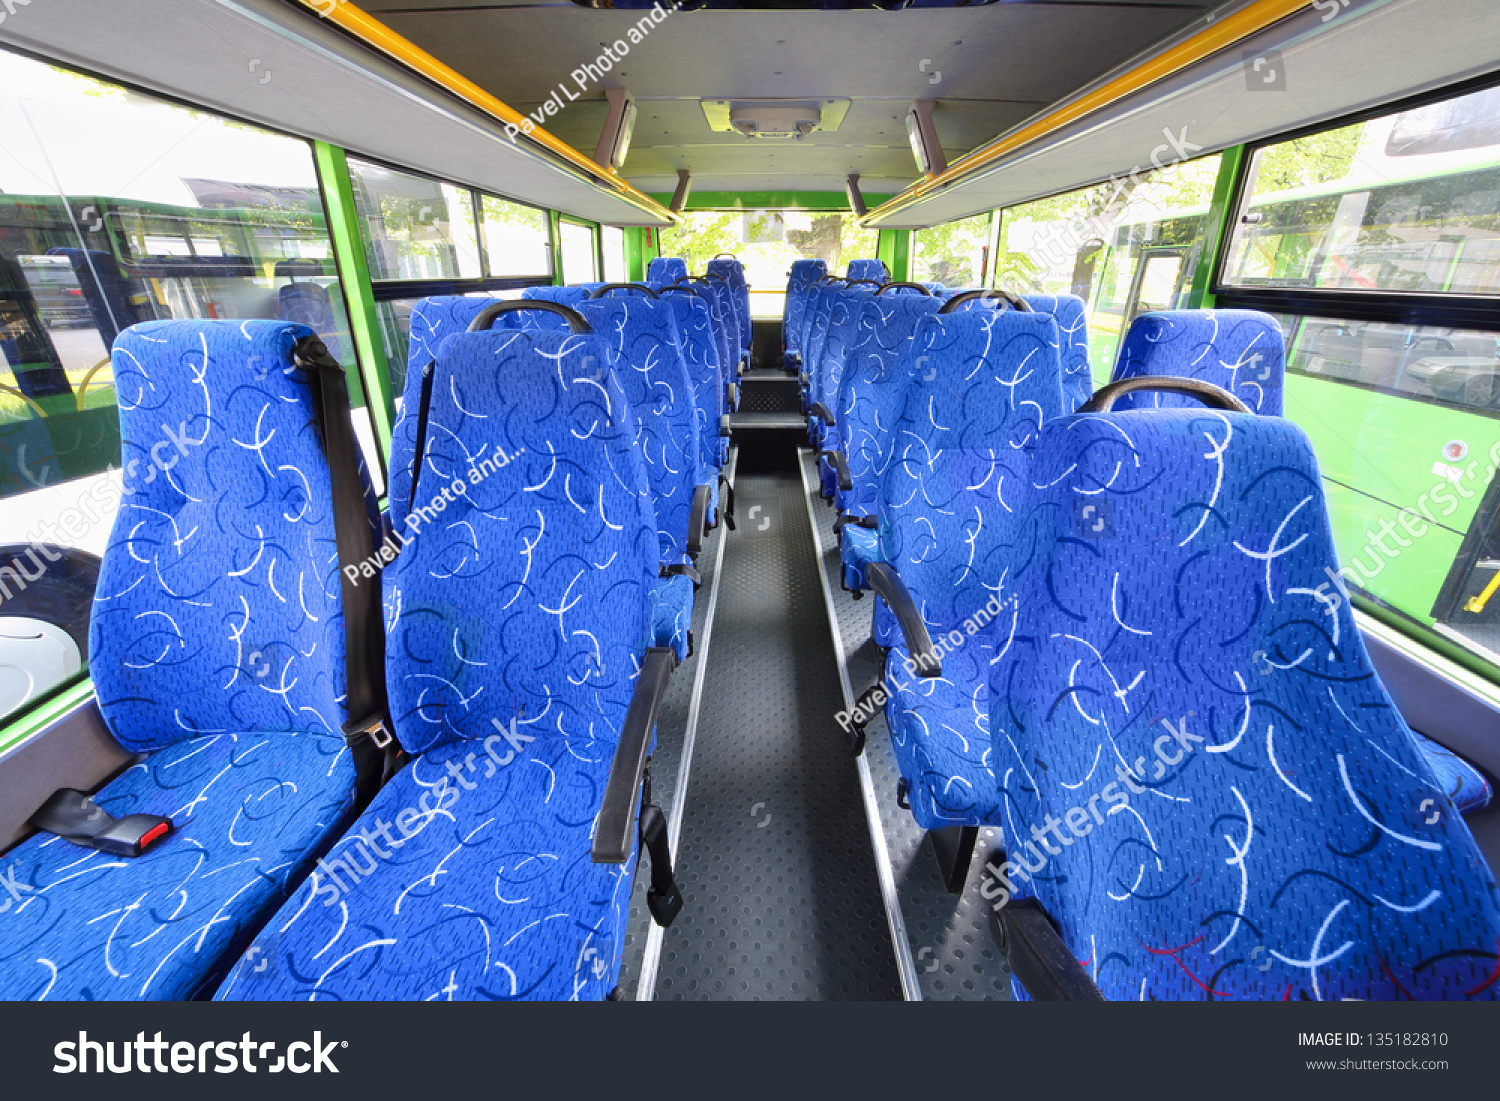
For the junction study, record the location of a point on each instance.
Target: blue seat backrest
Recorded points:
(815, 328)
(734, 274)
(525, 596)
(218, 606)
(1073, 328)
(666, 269)
(845, 313)
(701, 355)
(1181, 667)
(961, 454)
(726, 328)
(873, 388)
(1243, 351)
(432, 321)
(868, 269)
(645, 352)
(803, 276)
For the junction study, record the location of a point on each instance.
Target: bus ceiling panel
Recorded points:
(277, 64)
(1303, 70)
(871, 141)
(988, 67)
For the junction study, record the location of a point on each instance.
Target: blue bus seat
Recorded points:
(1242, 351)
(963, 451)
(1229, 835)
(802, 277)
(217, 652)
(511, 666)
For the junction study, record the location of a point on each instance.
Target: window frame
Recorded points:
(1426, 308)
(384, 290)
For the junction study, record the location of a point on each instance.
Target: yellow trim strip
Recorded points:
(1225, 34)
(376, 34)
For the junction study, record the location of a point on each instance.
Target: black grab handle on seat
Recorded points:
(909, 286)
(1012, 301)
(1215, 397)
(486, 317)
(872, 282)
(607, 287)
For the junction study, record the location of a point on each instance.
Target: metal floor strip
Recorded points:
(911, 989)
(949, 936)
(651, 960)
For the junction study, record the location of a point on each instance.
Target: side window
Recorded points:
(956, 254)
(612, 238)
(1124, 247)
(516, 241)
(1403, 203)
(116, 208)
(578, 261)
(414, 227)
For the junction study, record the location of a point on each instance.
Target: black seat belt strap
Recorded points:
(368, 731)
(424, 404)
(663, 898)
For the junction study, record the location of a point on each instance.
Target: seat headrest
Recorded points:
(666, 269)
(1243, 351)
(807, 271)
(868, 269)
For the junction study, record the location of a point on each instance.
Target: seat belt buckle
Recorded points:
(374, 726)
(79, 820)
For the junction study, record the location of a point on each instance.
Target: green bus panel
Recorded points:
(1381, 454)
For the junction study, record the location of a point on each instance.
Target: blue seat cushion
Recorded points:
(249, 812)
(1464, 785)
(940, 730)
(672, 613)
(486, 890)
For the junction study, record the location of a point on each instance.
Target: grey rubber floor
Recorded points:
(952, 946)
(774, 860)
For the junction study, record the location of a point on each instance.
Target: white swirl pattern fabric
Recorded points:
(217, 647)
(515, 626)
(1229, 835)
